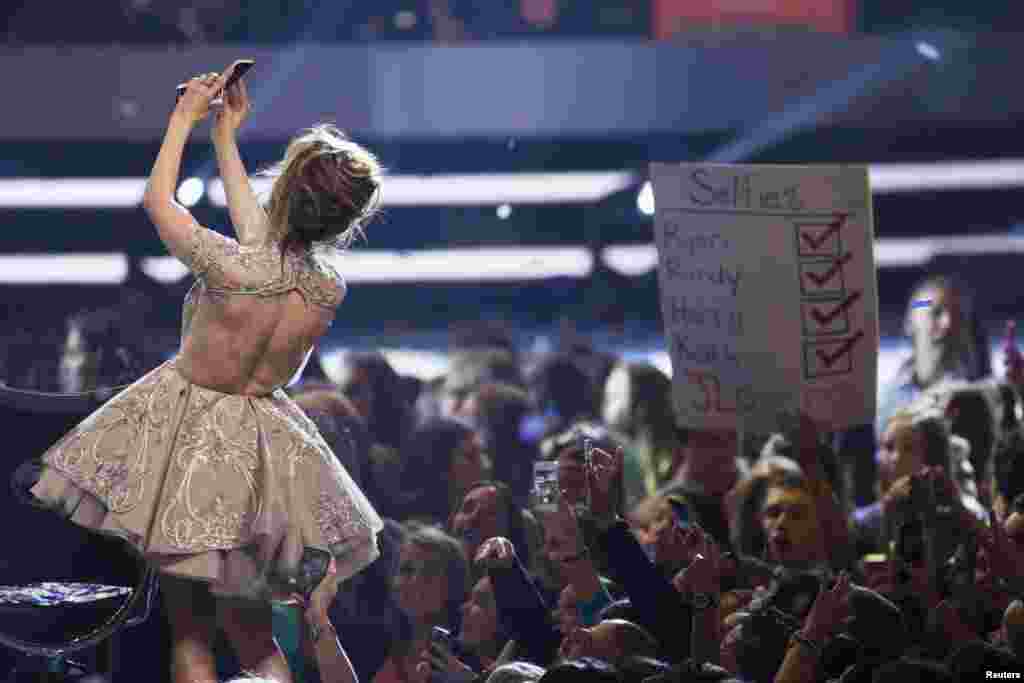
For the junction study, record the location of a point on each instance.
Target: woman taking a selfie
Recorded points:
(205, 466)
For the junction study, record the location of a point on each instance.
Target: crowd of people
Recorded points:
(670, 554)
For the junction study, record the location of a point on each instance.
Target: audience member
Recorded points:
(562, 394)
(488, 510)
(439, 463)
(780, 520)
(1007, 479)
(377, 392)
(497, 412)
(638, 403)
(471, 369)
(430, 587)
(947, 343)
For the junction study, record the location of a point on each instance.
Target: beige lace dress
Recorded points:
(224, 488)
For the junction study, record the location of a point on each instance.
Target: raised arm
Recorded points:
(176, 226)
(319, 641)
(834, 521)
(247, 215)
(521, 608)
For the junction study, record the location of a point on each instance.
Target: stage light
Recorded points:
(63, 269)
(424, 365)
(928, 51)
(482, 189)
(71, 193)
(953, 175)
(645, 199)
(504, 211)
(405, 20)
(166, 269)
(631, 260)
(469, 264)
(191, 191)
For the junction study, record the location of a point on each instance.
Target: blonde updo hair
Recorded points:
(325, 190)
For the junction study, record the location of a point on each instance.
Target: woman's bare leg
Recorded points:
(192, 613)
(249, 628)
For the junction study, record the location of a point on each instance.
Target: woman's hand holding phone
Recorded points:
(605, 468)
(212, 90)
(194, 103)
(235, 108)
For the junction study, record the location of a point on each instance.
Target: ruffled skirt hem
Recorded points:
(240, 516)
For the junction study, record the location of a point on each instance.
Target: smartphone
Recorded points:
(681, 512)
(442, 636)
(545, 486)
(238, 69)
(312, 569)
(447, 640)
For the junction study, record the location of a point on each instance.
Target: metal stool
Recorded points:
(56, 619)
(43, 622)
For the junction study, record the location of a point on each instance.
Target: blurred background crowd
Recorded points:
(506, 308)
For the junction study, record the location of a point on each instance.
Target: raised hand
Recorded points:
(194, 104)
(829, 610)
(235, 109)
(439, 657)
(566, 544)
(703, 575)
(897, 493)
(1004, 559)
(315, 609)
(806, 439)
(673, 546)
(495, 553)
(602, 474)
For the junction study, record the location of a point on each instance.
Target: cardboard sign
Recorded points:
(768, 293)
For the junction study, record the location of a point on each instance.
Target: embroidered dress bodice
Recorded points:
(224, 267)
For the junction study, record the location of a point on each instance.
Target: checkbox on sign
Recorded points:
(828, 316)
(819, 238)
(826, 358)
(823, 278)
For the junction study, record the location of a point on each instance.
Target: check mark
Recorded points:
(829, 359)
(820, 280)
(816, 242)
(824, 319)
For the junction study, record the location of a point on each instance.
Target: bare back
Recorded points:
(252, 317)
